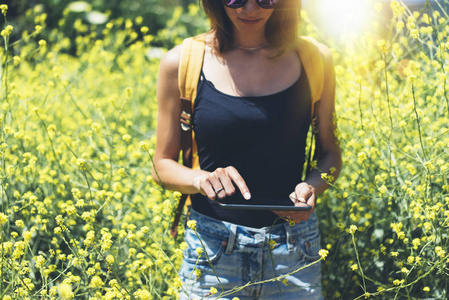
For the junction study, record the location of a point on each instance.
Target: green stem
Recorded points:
(208, 260)
(417, 120)
(155, 171)
(358, 263)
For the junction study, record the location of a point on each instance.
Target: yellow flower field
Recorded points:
(82, 218)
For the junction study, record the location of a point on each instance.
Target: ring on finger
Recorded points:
(287, 217)
(219, 190)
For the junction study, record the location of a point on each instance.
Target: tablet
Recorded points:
(269, 203)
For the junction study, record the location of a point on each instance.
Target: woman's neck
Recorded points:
(249, 40)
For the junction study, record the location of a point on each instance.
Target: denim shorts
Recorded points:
(239, 256)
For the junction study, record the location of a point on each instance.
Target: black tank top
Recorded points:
(264, 138)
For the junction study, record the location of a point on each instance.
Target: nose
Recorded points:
(250, 6)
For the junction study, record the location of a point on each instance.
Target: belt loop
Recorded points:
(231, 240)
(288, 236)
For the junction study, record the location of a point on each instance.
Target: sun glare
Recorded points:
(340, 18)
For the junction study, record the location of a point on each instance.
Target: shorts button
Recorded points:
(307, 244)
(225, 243)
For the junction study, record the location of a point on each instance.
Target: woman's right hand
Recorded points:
(220, 184)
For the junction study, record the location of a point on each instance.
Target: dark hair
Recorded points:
(281, 31)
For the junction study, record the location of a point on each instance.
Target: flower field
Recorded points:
(82, 218)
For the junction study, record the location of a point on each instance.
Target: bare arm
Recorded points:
(330, 153)
(170, 173)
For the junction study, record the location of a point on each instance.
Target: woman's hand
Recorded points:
(305, 194)
(220, 184)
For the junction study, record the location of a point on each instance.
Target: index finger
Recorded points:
(240, 182)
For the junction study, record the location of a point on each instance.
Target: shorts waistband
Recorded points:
(223, 229)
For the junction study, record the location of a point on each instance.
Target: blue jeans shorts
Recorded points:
(239, 256)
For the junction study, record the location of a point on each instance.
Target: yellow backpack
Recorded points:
(190, 66)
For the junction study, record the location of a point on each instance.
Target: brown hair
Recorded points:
(281, 31)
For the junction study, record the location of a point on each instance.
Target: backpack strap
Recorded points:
(190, 65)
(310, 56)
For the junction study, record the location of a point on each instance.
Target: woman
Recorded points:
(252, 114)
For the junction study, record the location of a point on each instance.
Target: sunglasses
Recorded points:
(267, 4)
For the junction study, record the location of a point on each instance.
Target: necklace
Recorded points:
(251, 48)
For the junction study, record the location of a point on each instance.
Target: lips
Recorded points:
(250, 21)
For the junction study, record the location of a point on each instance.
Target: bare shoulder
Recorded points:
(170, 61)
(167, 91)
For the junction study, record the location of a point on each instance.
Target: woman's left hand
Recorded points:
(305, 194)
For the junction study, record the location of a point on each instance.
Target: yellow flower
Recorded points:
(362, 156)
(4, 8)
(81, 163)
(198, 273)
(3, 218)
(352, 229)
(323, 253)
(440, 252)
(213, 291)
(271, 243)
(110, 259)
(199, 250)
(426, 289)
(42, 43)
(157, 219)
(17, 60)
(354, 267)
(7, 31)
(416, 242)
(96, 282)
(414, 33)
(191, 224)
(95, 127)
(38, 29)
(144, 29)
(383, 189)
(27, 236)
(40, 261)
(144, 145)
(65, 291)
(126, 137)
(90, 271)
(398, 282)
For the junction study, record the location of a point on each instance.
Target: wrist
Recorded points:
(197, 178)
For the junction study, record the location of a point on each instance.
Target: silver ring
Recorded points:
(219, 190)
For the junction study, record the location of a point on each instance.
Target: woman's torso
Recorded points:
(255, 118)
